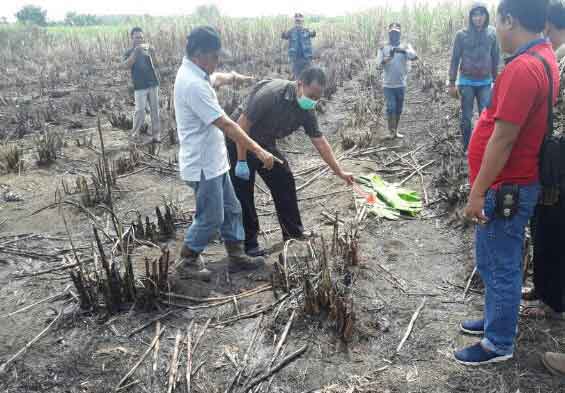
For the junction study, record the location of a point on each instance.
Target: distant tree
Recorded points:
(31, 14)
(3, 20)
(208, 12)
(74, 19)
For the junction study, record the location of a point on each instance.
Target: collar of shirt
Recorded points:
(195, 69)
(525, 48)
(291, 92)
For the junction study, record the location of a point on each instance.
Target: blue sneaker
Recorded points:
(476, 355)
(474, 327)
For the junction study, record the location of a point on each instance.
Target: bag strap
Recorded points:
(550, 119)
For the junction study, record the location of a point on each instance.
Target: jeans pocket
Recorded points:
(528, 200)
(490, 204)
(489, 211)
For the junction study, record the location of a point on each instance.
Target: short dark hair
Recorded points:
(298, 15)
(556, 14)
(313, 74)
(394, 25)
(203, 39)
(135, 30)
(532, 14)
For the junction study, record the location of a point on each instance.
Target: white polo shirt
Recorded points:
(202, 145)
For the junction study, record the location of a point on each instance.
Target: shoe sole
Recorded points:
(238, 269)
(498, 359)
(476, 333)
(256, 254)
(471, 332)
(553, 371)
(188, 276)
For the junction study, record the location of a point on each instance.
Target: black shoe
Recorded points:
(256, 252)
(304, 236)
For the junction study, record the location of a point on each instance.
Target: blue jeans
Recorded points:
(499, 251)
(394, 100)
(470, 94)
(299, 65)
(217, 209)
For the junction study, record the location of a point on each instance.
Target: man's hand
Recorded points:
(387, 59)
(239, 79)
(242, 170)
(474, 210)
(453, 92)
(346, 177)
(267, 159)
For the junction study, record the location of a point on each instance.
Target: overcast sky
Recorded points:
(56, 9)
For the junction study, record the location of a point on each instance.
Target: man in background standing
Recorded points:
(475, 57)
(395, 59)
(299, 46)
(141, 60)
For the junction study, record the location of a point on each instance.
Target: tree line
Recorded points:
(35, 15)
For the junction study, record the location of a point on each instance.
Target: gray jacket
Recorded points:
(476, 54)
(396, 70)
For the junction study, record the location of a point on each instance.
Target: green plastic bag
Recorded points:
(395, 198)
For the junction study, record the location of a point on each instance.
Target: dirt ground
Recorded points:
(403, 263)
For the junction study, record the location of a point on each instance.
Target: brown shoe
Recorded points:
(187, 253)
(192, 266)
(239, 260)
(555, 363)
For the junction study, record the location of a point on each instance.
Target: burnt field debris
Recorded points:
(91, 228)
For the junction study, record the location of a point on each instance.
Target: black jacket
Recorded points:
(476, 54)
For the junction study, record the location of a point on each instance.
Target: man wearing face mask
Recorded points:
(275, 109)
(476, 55)
(395, 59)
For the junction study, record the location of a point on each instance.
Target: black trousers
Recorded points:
(549, 254)
(280, 182)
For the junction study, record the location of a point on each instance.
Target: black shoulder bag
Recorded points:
(552, 153)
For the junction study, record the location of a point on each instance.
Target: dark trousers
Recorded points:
(280, 182)
(549, 258)
(299, 65)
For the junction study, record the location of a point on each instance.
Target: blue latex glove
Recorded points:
(242, 170)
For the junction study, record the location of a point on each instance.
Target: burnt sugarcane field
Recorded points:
(299, 203)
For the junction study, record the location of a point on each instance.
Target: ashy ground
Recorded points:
(404, 264)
